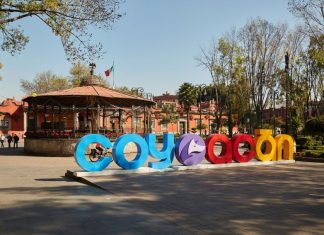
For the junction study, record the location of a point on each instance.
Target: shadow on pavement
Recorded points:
(253, 200)
(12, 151)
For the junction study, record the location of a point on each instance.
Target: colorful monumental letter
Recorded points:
(247, 155)
(81, 147)
(288, 147)
(190, 149)
(165, 155)
(119, 156)
(225, 156)
(265, 137)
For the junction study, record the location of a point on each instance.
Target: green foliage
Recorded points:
(68, 20)
(202, 126)
(78, 72)
(313, 153)
(187, 97)
(170, 114)
(315, 126)
(44, 82)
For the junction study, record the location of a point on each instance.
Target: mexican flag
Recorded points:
(109, 71)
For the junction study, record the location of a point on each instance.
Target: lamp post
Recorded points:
(275, 95)
(287, 94)
(139, 91)
(261, 76)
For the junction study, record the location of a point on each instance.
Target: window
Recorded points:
(4, 124)
(164, 127)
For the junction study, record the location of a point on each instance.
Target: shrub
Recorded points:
(306, 142)
(314, 153)
(315, 126)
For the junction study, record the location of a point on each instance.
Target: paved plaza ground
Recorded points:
(36, 198)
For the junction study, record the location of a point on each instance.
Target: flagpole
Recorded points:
(114, 75)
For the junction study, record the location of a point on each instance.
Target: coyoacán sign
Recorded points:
(189, 149)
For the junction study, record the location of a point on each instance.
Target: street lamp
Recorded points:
(139, 91)
(261, 76)
(287, 94)
(275, 95)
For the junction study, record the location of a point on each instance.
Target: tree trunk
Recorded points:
(188, 119)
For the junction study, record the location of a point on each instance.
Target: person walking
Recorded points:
(16, 139)
(9, 139)
(2, 139)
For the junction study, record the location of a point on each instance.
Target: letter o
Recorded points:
(246, 156)
(226, 154)
(270, 148)
(119, 156)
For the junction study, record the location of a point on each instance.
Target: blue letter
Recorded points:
(165, 155)
(118, 151)
(80, 149)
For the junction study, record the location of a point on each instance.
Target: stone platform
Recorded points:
(144, 170)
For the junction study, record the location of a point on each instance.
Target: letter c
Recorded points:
(246, 156)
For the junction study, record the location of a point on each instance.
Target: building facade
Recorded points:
(12, 117)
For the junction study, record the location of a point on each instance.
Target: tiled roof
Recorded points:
(10, 106)
(77, 94)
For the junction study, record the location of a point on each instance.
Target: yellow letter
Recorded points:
(288, 147)
(262, 136)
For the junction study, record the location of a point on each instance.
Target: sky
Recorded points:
(152, 46)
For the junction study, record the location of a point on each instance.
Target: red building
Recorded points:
(12, 117)
(197, 115)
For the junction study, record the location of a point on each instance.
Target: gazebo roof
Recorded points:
(85, 95)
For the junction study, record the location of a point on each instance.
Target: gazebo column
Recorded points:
(104, 118)
(74, 120)
(149, 126)
(132, 122)
(35, 116)
(53, 119)
(60, 119)
(120, 117)
(29, 109)
(98, 118)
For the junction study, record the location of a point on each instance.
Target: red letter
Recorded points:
(248, 155)
(226, 154)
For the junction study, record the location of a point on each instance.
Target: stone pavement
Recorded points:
(36, 198)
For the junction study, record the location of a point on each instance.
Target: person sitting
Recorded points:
(99, 149)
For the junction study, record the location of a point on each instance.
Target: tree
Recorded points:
(170, 114)
(225, 62)
(187, 97)
(44, 82)
(211, 60)
(263, 49)
(69, 20)
(78, 72)
(312, 13)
